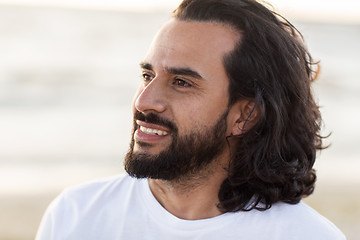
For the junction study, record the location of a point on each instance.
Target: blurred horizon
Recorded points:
(329, 11)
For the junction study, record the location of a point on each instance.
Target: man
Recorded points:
(225, 137)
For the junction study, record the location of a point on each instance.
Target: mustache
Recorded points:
(155, 119)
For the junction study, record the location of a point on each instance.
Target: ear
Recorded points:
(245, 116)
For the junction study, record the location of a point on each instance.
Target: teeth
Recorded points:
(152, 131)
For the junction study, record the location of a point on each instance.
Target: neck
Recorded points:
(191, 198)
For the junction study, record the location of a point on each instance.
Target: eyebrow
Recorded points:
(147, 66)
(174, 70)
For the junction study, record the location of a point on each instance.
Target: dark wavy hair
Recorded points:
(271, 67)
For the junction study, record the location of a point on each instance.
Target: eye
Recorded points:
(147, 77)
(181, 83)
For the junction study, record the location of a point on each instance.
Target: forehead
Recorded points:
(210, 35)
(197, 45)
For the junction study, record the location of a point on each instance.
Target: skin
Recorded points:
(184, 81)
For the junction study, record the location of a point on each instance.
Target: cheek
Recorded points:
(194, 117)
(186, 117)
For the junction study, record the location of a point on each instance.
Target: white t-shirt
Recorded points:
(122, 207)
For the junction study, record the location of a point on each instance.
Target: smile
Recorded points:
(152, 131)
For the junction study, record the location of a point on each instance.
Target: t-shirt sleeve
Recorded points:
(52, 224)
(72, 212)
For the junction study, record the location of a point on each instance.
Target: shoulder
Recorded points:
(88, 204)
(301, 220)
(91, 192)
(98, 187)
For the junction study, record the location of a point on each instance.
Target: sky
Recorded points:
(319, 10)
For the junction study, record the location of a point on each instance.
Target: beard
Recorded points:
(187, 155)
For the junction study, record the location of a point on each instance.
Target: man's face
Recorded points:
(181, 112)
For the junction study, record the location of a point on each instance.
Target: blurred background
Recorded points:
(68, 72)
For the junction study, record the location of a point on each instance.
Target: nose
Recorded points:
(151, 98)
